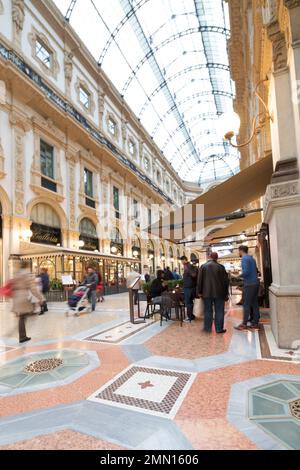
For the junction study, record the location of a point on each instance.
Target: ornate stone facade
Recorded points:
(18, 16)
(53, 68)
(68, 69)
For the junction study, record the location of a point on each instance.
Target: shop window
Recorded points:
(47, 159)
(84, 97)
(88, 183)
(43, 53)
(45, 225)
(88, 234)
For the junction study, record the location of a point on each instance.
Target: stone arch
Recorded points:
(57, 208)
(5, 202)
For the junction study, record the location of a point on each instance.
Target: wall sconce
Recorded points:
(80, 243)
(163, 258)
(135, 253)
(151, 256)
(113, 249)
(233, 120)
(26, 235)
(172, 260)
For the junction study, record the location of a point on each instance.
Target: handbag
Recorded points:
(198, 308)
(6, 290)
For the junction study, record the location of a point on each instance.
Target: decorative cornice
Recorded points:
(281, 195)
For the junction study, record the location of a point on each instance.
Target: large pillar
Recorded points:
(282, 200)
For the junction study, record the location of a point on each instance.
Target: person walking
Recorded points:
(45, 282)
(134, 279)
(99, 288)
(213, 286)
(190, 273)
(250, 291)
(25, 293)
(91, 281)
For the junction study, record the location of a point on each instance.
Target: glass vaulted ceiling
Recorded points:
(168, 58)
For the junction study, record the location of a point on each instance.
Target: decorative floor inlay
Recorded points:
(295, 408)
(118, 333)
(270, 350)
(154, 391)
(43, 365)
(275, 407)
(42, 368)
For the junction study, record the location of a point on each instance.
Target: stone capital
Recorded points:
(281, 195)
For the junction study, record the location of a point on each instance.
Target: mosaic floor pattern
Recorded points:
(41, 369)
(270, 350)
(118, 333)
(148, 390)
(275, 408)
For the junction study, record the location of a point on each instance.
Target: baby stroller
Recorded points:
(78, 301)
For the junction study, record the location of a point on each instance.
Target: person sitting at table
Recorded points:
(157, 290)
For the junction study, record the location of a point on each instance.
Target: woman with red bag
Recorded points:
(100, 288)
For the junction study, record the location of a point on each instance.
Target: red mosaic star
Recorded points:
(146, 384)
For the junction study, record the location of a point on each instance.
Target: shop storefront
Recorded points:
(64, 262)
(45, 226)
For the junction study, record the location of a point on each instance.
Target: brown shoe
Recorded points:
(241, 327)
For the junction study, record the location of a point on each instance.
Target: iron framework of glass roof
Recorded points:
(169, 60)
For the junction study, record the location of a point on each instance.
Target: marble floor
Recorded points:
(98, 382)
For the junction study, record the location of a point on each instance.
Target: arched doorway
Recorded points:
(45, 226)
(116, 242)
(88, 234)
(171, 256)
(151, 256)
(162, 253)
(194, 258)
(136, 248)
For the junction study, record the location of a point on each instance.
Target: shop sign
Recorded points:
(90, 243)
(45, 235)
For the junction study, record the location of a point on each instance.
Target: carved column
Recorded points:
(101, 101)
(18, 15)
(2, 173)
(282, 200)
(294, 60)
(284, 146)
(19, 127)
(68, 69)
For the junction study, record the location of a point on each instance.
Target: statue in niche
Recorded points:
(18, 14)
(68, 65)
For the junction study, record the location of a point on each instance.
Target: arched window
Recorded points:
(45, 225)
(136, 247)
(116, 242)
(171, 256)
(88, 234)
(151, 256)
(194, 258)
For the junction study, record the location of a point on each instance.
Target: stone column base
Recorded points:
(285, 317)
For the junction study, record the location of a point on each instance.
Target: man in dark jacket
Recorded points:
(91, 280)
(212, 285)
(168, 275)
(189, 287)
(44, 277)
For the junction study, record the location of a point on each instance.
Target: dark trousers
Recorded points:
(219, 305)
(251, 309)
(92, 298)
(22, 328)
(189, 295)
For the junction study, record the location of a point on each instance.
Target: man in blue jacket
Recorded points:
(250, 290)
